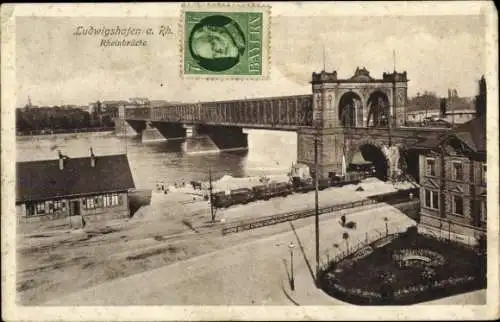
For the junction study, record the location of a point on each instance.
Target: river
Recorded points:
(269, 152)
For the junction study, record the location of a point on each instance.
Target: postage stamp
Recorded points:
(225, 41)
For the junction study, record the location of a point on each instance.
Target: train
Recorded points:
(282, 189)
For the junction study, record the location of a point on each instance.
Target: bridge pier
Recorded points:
(151, 134)
(210, 138)
(330, 149)
(129, 127)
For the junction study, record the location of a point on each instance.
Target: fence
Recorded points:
(290, 216)
(404, 296)
(461, 240)
(355, 245)
(391, 198)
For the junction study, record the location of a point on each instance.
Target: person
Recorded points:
(212, 42)
(217, 43)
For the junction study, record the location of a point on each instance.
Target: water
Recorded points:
(270, 152)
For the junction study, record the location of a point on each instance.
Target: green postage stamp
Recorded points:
(225, 41)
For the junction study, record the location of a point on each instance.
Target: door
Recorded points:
(75, 208)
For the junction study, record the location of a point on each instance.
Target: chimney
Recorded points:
(61, 160)
(92, 158)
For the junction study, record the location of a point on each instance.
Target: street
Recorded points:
(247, 274)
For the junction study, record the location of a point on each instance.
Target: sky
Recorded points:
(55, 67)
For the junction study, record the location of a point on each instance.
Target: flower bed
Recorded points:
(396, 274)
(417, 257)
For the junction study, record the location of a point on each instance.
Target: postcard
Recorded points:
(250, 161)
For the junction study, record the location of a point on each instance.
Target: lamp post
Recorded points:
(291, 246)
(210, 189)
(316, 203)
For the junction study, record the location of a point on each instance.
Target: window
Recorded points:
(430, 167)
(103, 201)
(431, 199)
(40, 208)
(89, 203)
(30, 209)
(457, 205)
(458, 173)
(111, 200)
(484, 176)
(483, 211)
(45, 207)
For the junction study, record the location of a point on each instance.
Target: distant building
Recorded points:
(92, 107)
(453, 182)
(421, 115)
(458, 110)
(139, 101)
(159, 103)
(93, 188)
(451, 110)
(481, 98)
(112, 106)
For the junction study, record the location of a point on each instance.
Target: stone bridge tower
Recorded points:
(340, 106)
(326, 129)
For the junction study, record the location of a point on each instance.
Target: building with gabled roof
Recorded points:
(92, 188)
(453, 182)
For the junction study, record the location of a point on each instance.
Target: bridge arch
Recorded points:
(350, 109)
(409, 162)
(375, 152)
(378, 109)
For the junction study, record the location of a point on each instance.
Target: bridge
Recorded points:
(342, 117)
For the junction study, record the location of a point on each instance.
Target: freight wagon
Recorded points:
(283, 189)
(236, 196)
(265, 192)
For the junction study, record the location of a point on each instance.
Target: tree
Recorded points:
(51, 118)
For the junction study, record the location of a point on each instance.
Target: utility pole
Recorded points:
(211, 195)
(394, 98)
(324, 58)
(316, 204)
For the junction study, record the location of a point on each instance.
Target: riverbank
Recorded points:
(64, 131)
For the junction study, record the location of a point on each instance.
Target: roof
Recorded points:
(114, 102)
(358, 159)
(42, 180)
(471, 133)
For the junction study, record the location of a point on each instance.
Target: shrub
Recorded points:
(411, 234)
(350, 225)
